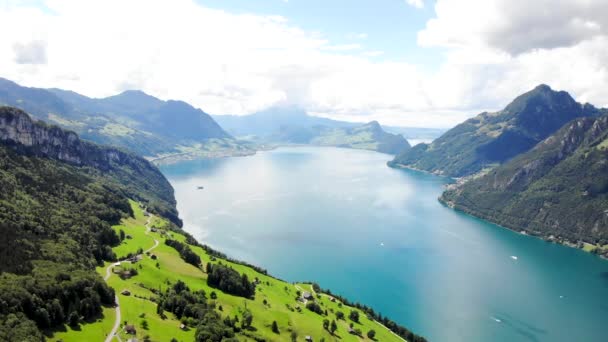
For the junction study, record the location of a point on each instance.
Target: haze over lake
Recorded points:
(379, 236)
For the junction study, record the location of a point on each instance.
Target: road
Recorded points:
(117, 321)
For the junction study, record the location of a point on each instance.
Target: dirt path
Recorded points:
(114, 332)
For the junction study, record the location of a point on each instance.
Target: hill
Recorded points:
(490, 139)
(269, 123)
(132, 120)
(558, 190)
(369, 136)
(69, 208)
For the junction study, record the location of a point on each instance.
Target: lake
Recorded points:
(379, 236)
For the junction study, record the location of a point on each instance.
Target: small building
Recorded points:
(182, 326)
(125, 293)
(307, 295)
(130, 329)
(308, 338)
(132, 339)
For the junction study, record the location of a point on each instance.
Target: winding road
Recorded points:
(117, 321)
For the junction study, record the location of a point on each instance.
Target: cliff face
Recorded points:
(145, 182)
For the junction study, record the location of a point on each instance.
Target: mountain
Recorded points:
(133, 120)
(490, 139)
(369, 136)
(557, 189)
(72, 210)
(60, 195)
(270, 122)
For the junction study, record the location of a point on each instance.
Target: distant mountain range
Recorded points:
(132, 120)
(269, 123)
(173, 130)
(369, 136)
(490, 139)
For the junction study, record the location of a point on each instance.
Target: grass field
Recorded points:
(275, 300)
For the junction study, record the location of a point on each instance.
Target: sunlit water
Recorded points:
(378, 235)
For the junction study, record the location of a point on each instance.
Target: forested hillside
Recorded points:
(558, 189)
(59, 198)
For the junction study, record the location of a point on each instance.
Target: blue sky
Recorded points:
(431, 65)
(390, 26)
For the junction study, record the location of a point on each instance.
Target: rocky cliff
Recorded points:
(24, 135)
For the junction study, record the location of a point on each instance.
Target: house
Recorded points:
(125, 293)
(307, 295)
(130, 329)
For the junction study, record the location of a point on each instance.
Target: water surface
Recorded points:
(378, 235)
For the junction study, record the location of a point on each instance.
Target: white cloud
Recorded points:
(415, 3)
(515, 26)
(230, 63)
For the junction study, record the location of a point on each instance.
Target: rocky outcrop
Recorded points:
(24, 135)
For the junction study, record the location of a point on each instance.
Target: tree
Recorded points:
(294, 336)
(333, 327)
(326, 324)
(213, 295)
(122, 235)
(73, 319)
(371, 334)
(339, 315)
(247, 319)
(354, 316)
(144, 324)
(275, 327)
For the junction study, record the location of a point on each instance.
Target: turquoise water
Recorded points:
(378, 235)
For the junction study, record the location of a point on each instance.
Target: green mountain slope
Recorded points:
(59, 197)
(369, 136)
(132, 120)
(559, 188)
(493, 138)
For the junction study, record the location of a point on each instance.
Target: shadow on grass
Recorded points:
(49, 333)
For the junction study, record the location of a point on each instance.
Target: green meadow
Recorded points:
(275, 300)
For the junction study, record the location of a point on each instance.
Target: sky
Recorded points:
(418, 63)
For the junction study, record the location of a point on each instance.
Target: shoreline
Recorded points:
(549, 239)
(189, 156)
(580, 245)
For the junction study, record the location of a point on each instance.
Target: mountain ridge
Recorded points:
(489, 139)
